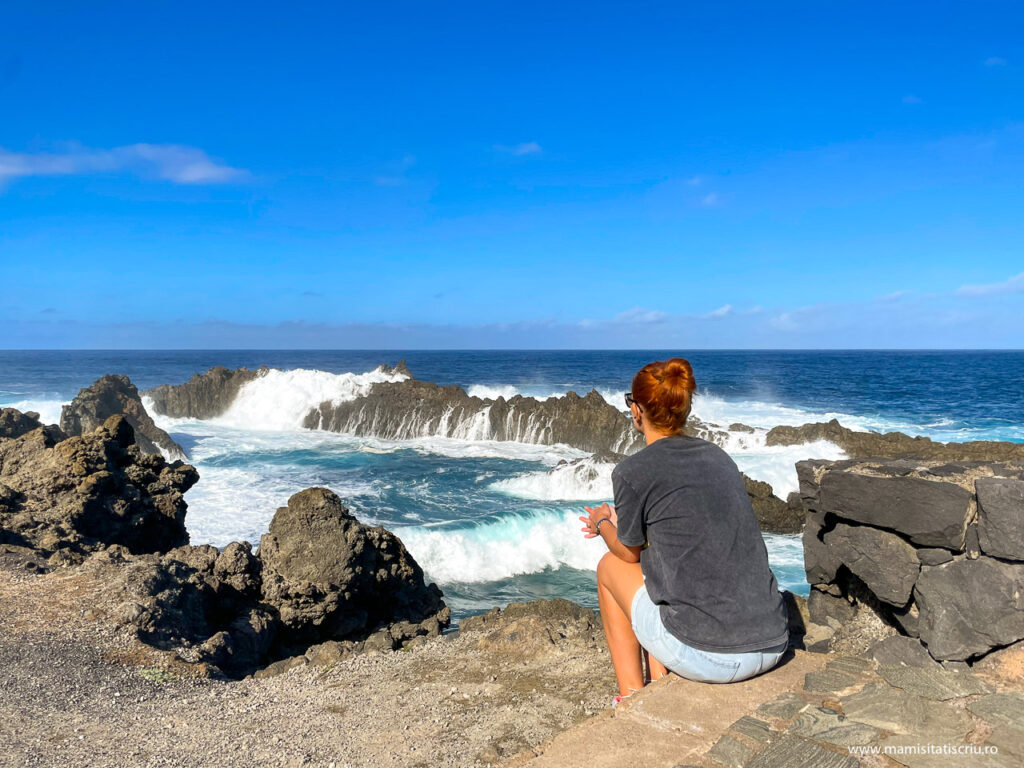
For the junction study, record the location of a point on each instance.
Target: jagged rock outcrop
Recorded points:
(14, 423)
(323, 587)
(773, 514)
(328, 576)
(110, 395)
(67, 497)
(412, 408)
(204, 396)
(893, 445)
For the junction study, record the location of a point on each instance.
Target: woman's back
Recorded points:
(705, 565)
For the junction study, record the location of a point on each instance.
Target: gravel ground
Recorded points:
(75, 691)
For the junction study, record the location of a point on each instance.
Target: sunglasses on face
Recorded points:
(630, 400)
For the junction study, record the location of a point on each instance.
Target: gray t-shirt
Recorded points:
(705, 565)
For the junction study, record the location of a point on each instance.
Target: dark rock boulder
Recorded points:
(204, 396)
(1001, 517)
(90, 491)
(893, 444)
(111, 395)
(968, 607)
(198, 602)
(929, 513)
(773, 514)
(14, 423)
(887, 564)
(324, 587)
(328, 576)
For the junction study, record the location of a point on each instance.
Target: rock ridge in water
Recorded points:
(204, 396)
(894, 445)
(408, 409)
(115, 394)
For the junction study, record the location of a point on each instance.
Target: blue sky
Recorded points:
(485, 175)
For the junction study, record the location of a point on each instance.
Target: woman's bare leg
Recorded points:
(617, 583)
(655, 667)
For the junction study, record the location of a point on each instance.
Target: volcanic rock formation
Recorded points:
(322, 580)
(894, 445)
(67, 497)
(320, 577)
(204, 396)
(110, 395)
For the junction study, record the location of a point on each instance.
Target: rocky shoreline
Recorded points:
(123, 644)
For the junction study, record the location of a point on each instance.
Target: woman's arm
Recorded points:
(608, 531)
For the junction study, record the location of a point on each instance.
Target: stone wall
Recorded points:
(934, 550)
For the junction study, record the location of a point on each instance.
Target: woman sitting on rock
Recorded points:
(686, 576)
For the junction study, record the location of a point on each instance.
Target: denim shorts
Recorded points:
(687, 661)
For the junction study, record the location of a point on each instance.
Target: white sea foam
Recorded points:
(502, 547)
(583, 480)
(280, 400)
(48, 410)
(513, 545)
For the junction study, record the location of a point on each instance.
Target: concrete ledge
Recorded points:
(671, 722)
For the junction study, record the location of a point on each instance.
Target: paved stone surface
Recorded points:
(785, 706)
(902, 650)
(829, 680)
(825, 725)
(933, 683)
(731, 752)
(1010, 742)
(940, 760)
(1000, 709)
(793, 752)
(891, 709)
(752, 728)
(853, 665)
(671, 722)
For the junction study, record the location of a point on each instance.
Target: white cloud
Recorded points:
(723, 311)
(894, 296)
(640, 315)
(526, 148)
(755, 310)
(710, 199)
(995, 61)
(912, 99)
(1014, 285)
(172, 162)
(695, 181)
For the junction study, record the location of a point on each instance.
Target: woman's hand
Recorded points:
(594, 515)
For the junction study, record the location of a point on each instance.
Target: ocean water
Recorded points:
(493, 522)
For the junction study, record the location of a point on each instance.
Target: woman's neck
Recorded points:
(653, 435)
